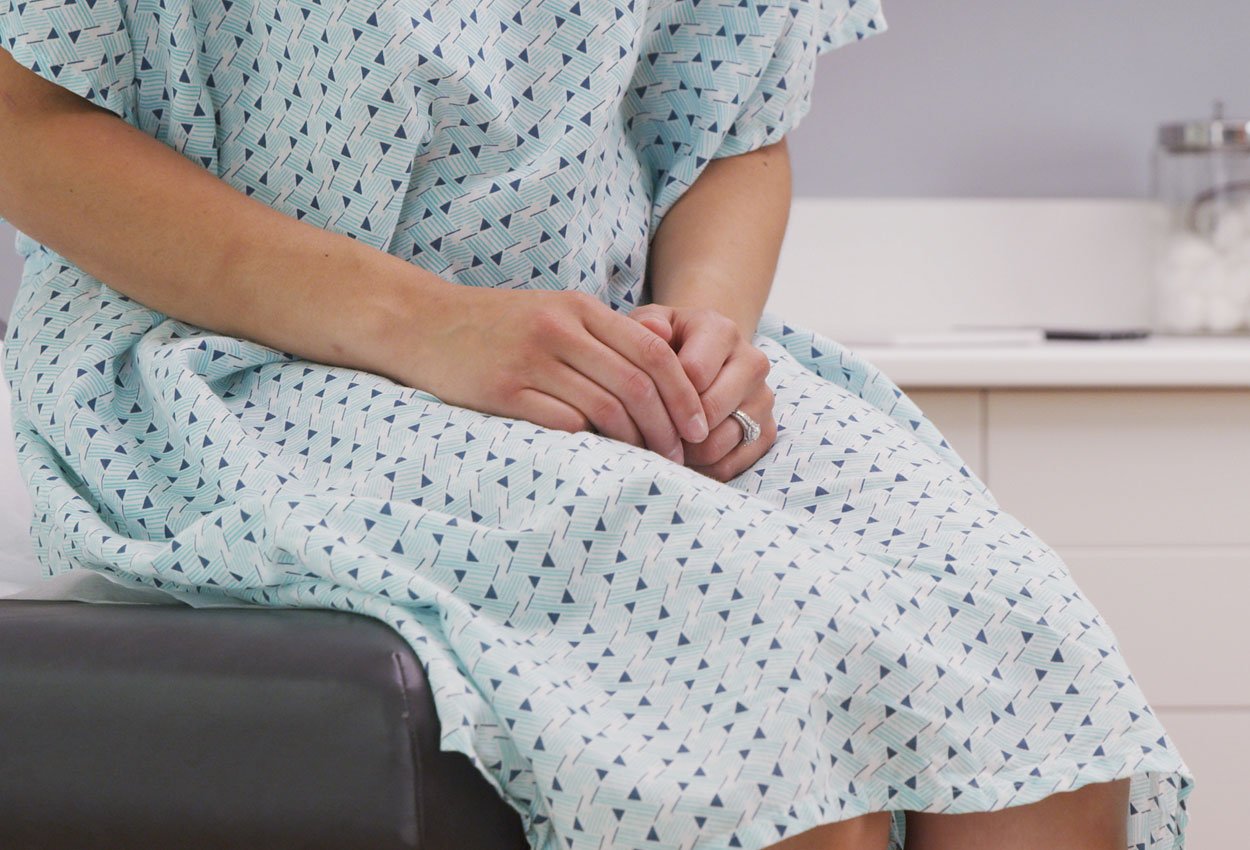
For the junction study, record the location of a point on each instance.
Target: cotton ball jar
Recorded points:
(1202, 270)
(1190, 271)
(1232, 227)
(1237, 272)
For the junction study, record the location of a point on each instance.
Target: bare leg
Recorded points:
(1093, 817)
(866, 832)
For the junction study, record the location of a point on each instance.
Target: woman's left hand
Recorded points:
(729, 373)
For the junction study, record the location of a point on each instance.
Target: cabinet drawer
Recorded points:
(1216, 747)
(959, 415)
(1123, 467)
(1178, 616)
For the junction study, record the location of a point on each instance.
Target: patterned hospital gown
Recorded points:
(634, 655)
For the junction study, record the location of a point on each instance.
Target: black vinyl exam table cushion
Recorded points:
(143, 726)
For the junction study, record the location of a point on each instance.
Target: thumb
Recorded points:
(659, 326)
(654, 321)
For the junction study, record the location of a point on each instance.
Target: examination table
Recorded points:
(166, 726)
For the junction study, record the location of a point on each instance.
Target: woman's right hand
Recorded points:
(560, 359)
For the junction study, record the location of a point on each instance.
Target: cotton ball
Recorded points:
(1223, 313)
(1182, 310)
(1232, 230)
(1185, 260)
(1178, 308)
(1237, 279)
(1237, 273)
(1185, 250)
(1237, 269)
(1197, 283)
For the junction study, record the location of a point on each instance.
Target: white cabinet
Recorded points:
(1145, 493)
(1123, 467)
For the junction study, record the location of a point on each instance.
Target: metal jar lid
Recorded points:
(1219, 133)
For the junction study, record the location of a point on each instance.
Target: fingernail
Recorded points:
(677, 455)
(698, 425)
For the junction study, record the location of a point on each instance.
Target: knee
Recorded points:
(1093, 817)
(1102, 807)
(866, 832)
(874, 831)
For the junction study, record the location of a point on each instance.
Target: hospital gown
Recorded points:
(632, 654)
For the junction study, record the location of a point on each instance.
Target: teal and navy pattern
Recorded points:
(633, 655)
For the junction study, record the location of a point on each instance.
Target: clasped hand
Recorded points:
(661, 378)
(729, 373)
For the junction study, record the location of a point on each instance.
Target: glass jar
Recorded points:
(1201, 175)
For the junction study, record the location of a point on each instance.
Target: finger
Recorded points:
(659, 362)
(658, 317)
(741, 376)
(724, 438)
(705, 347)
(633, 389)
(550, 412)
(600, 407)
(744, 456)
(658, 325)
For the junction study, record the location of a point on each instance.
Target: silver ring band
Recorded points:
(750, 428)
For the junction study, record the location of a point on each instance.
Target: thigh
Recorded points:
(852, 470)
(1092, 817)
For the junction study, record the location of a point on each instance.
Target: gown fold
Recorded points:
(633, 655)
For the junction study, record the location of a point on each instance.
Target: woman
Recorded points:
(450, 315)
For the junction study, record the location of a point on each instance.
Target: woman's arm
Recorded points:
(144, 219)
(160, 229)
(717, 246)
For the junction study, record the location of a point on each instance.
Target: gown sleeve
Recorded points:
(327, 136)
(717, 78)
(81, 45)
(777, 101)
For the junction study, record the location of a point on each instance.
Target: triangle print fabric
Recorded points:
(633, 655)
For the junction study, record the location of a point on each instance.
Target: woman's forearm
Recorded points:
(160, 229)
(718, 245)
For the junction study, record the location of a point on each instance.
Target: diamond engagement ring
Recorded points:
(750, 428)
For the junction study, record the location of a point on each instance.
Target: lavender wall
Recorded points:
(981, 98)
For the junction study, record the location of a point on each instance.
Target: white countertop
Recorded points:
(1157, 361)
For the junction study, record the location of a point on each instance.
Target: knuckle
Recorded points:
(698, 373)
(583, 302)
(655, 351)
(547, 323)
(504, 385)
(606, 410)
(637, 386)
(760, 364)
(574, 422)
